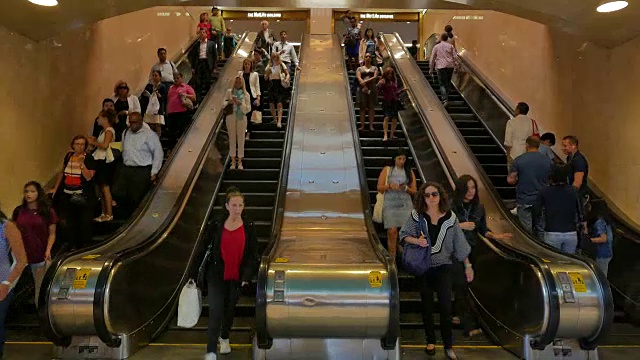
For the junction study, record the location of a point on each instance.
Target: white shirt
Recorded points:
(287, 52)
(100, 153)
(518, 130)
(166, 68)
(203, 49)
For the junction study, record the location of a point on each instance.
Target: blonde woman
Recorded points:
(277, 91)
(239, 102)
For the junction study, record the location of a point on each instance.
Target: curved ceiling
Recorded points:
(574, 16)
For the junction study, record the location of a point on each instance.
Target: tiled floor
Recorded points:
(43, 351)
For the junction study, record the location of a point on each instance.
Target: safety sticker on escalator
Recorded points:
(82, 276)
(375, 279)
(578, 282)
(281, 260)
(90, 257)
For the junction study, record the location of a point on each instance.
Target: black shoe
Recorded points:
(430, 352)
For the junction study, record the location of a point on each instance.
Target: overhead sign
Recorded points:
(264, 15)
(468, 17)
(376, 16)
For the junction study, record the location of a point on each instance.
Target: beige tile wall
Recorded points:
(572, 86)
(52, 90)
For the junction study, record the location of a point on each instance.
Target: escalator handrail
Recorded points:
(393, 328)
(141, 249)
(546, 272)
(553, 301)
(262, 335)
(43, 312)
(509, 111)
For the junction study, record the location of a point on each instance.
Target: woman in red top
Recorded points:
(36, 221)
(232, 263)
(204, 23)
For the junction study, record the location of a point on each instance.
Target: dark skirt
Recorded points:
(105, 172)
(277, 92)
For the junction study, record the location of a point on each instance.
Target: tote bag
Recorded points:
(377, 208)
(416, 259)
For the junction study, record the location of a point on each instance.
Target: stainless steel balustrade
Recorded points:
(326, 287)
(523, 289)
(113, 300)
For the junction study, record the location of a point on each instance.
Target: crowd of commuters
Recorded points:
(552, 202)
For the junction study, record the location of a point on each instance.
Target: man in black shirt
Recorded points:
(578, 176)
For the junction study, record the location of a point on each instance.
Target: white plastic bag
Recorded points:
(154, 104)
(189, 305)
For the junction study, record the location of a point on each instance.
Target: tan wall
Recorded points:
(54, 88)
(572, 86)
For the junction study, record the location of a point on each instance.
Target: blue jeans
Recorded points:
(603, 264)
(525, 215)
(566, 242)
(4, 309)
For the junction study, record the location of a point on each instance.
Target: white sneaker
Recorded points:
(225, 348)
(210, 356)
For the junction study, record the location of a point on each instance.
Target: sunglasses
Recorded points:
(121, 87)
(434, 194)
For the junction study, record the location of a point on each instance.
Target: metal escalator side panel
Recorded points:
(264, 341)
(550, 263)
(148, 231)
(324, 264)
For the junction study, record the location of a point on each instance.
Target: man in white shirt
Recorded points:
(166, 68)
(287, 52)
(518, 130)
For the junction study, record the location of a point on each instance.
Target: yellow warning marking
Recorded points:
(90, 257)
(578, 282)
(82, 276)
(375, 279)
(282, 260)
(545, 260)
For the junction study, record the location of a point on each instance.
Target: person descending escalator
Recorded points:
(236, 105)
(230, 266)
(278, 76)
(367, 91)
(473, 221)
(264, 39)
(398, 184)
(203, 58)
(368, 46)
(442, 232)
(229, 42)
(388, 90)
(252, 85)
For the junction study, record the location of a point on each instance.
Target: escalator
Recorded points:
(376, 154)
(481, 114)
(97, 301)
(528, 298)
(22, 320)
(265, 163)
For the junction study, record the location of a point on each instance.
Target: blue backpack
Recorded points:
(417, 259)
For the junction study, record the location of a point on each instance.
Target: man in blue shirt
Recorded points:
(530, 171)
(142, 157)
(578, 177)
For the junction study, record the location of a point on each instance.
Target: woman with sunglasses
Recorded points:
(473, 221)
(124, 105)
(448, 244)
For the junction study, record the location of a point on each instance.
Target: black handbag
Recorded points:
(202, 270)
(228, 110)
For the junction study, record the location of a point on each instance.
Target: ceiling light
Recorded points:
(44, 2)
(611, 6)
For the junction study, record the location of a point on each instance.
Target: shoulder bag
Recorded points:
(377, 208)
(416, 259)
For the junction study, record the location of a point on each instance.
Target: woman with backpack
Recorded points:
(432, 225)
(278, 75)
(473, 221)
(36, 221)
(74, 192)
(13, 260)
(230, 265)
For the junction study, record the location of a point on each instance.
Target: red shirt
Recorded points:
(207, 26)
(35, 233)
(232, 251)
(174, 103)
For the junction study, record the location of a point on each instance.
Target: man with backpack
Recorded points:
(166, 67)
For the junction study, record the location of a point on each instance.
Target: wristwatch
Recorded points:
(6, 283)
